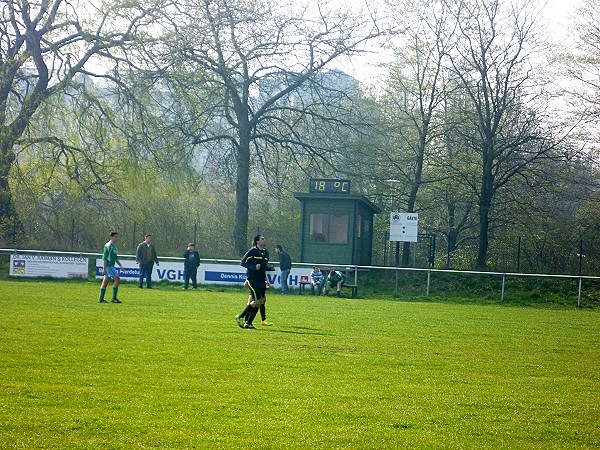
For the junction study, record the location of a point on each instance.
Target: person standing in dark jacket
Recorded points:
(285, 265)
(190, 266)
(146, 257)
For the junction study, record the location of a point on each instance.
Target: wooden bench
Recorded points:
(304, 284)
(354, 288)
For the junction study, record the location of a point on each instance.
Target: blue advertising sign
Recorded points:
(126, 272)
(224, 277)
(207, 273)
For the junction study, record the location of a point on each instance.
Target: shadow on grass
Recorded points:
(303, 330)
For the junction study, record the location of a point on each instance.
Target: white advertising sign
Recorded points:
(48, 266)
(404, 227)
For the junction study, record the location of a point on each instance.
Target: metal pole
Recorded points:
(428, 282)
(133, 238)
(72, 233)
(195, 231)
(385, 246)
(579, 293)
(396, 288)
(432, 251)
(519, 255)
(503, 282)
(580, 255)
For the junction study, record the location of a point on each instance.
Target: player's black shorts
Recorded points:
(257, 290)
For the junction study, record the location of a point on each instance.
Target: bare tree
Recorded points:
(493, 62)
(582, 60)
(415, 98)
(262, 64)
(44, 44)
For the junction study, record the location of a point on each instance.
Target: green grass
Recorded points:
(170, 369)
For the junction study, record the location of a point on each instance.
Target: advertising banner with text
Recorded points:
(225, 274)
(48, 266)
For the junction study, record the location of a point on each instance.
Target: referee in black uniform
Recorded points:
(256, 262)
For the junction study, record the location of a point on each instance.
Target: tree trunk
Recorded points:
(452, 232)
(11, 228)
(485, 204)
(412, 199)
(242, 187)
(484, 226)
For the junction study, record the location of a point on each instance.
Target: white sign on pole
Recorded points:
(404, 227)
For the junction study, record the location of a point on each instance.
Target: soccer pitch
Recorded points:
(169, 369)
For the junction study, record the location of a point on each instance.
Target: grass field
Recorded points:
(169, 369)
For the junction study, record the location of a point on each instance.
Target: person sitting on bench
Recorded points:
(335, 278)
(317, 280)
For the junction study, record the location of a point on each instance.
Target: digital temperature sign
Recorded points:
(328, 186)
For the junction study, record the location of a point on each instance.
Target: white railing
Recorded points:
(348, 267)
(475, 272)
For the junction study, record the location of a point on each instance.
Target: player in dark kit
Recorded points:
(256, 262)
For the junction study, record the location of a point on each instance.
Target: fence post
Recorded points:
(580, 255)
(133, 238)
(519, 254)
(432, 252)
(428, 282)
(503, 281)
(72, 233)
(385, 247)
(396, 288)
(579, 293)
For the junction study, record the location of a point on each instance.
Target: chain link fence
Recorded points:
(522, 255)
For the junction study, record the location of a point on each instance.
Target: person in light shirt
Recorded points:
(317, 280)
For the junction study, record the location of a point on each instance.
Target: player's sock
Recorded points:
(115, 290)
(263, 313)
(102, 292)
(246, 312)
(252, 315)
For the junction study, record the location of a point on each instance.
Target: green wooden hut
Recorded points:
(337, 227)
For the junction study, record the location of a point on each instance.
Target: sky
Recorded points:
(559, 13)
(367, 69)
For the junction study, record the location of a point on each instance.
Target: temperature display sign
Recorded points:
(328, 186)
